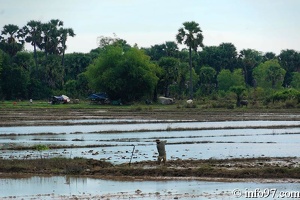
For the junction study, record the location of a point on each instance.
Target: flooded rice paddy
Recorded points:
(185, 140)
(114, 140)
(65, 187)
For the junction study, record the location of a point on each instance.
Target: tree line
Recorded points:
(133, 73)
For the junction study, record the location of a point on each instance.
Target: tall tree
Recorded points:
(227, 79)
(76, 63)
(191, 35)
(32, 34)
(170, 71)
(249, 59)
(63, 39)
(296, 80)
(11, 40)
(158, 51)
(269, 74)
(290, 61)
(269, 56)
(219, 57)
(128, 75)
(207, 77)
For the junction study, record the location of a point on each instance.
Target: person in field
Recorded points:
(161, 148)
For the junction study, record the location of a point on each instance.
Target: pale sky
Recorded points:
(263, 25)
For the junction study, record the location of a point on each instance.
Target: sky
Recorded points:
(263, 25)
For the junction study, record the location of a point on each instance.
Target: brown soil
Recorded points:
(228, 169)
(21, 117)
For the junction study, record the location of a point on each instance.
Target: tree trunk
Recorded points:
(35, 56)
(63, 54)
(191, 76)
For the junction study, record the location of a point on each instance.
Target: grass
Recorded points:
(180, 168)
(140, 106)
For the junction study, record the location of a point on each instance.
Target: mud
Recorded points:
(35, 117)
(213, 168)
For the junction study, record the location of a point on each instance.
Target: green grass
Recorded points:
(139, 107)
(180, 168)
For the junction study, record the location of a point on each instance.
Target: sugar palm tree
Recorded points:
(63, 39)
(32, 34)
(191, 35)
(11, 40)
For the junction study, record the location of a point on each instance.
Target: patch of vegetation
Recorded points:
(227, 168)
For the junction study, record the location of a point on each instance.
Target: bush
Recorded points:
(290, 104)
(285, 95)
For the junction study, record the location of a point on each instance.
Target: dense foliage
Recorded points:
(136, 74)
(126, 75)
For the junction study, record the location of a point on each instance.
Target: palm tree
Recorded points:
(11, 40)
(32, 33)
(51, 36)
(64, 34)
(191, 35)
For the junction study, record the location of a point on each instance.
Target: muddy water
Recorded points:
(142, 126)
(235, 141)
(219, 140)
(64, 187)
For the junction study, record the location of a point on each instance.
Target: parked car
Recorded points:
(99, 98)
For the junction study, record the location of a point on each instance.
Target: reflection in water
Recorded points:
(236, 142)
(61, 187)
(141, 126)
(198, 144)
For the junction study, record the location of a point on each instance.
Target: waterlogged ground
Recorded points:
(65, 187)
(125, 137)
(119, 143)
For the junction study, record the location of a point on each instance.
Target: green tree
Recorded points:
(168, 49)
(191, 35)
(227, 79)
(169, 74)
(64, 33)
(1, 61)
(238, 90)
(123, 75)
(1, 67)
(75, 63)
(51, 72)
(50, 37)
(249, 59)
(180, 87)
(207, 81)
(269, 74)
(269, 56)
(32, 34)
(77, 88)
(54, 37)
(11, 40)
(295, 80)
(290, 61)
(15, 80)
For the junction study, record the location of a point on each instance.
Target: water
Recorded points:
(65, 187)
(241, 139)
(196, 144)
(141, 126)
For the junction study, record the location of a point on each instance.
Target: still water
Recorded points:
(213, 140)
(141, 126)
(196, 144)
(65, 187)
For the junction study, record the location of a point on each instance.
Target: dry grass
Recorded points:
(227, 168)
